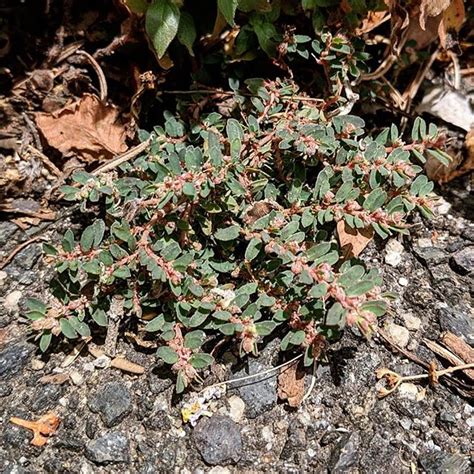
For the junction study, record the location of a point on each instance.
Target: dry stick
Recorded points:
(441, 351)
(438, 373)
(413, 88)
(19, 248)
(249, 377)
(313, 382)
(462, 387)
(99, 72)
(33, 130)
(118, 160)
(49, 164)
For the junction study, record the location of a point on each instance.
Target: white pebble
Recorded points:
(393, 252)
(402, 281)
(398, 334)
(412, 323)
(11, 301)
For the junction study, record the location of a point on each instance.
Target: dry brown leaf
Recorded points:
(431, 8)
(55, 379)
(371, 21)
(453, 18)
(127, 366)
(353, 241)
(88, 128)
(457, 167)
(44, 427)
(291, 385)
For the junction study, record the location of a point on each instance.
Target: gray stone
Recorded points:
(218, 440)
(463, 261)
(113, 402)
(259, 395)
(45, 397)
(431, 255)
(457, 321)
(112, 447)
(14, 358)
(439, 462)
(346, 453)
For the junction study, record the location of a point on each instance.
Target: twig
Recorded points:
(99, 72)
(19, 248)
(49, 164)
(253, 376)
(457, 70)
(118, 160)
(33, 130)
(394, 379)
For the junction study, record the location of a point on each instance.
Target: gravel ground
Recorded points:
(112, 421)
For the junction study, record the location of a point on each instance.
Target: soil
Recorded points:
(111, 420)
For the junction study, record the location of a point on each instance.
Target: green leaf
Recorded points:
(228, 8)
(67, 329)
(375, 199)
(194, 339)
(161, 24)
(264, 328)
(360, 288)
(187, 32)
(155, 324)
(335, 315)
(180, 382)
(34, 304)
(48, 249)
(87, 238)
(45, 341)
(201, 360)
(100, 317)
(297, 338)
(227, 329)
(167, 354)
(317, 251)
(68, 241)
(228, 233)
(253, 249)
(319, 290)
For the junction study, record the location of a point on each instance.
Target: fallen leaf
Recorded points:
(127, 366)
(88, 128)
(44, 427)
(353, 241)
(431, 8)
(291, 385)
(440, 173)
(55, 379)
(371, 21)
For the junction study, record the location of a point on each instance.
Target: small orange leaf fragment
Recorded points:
(44, 427)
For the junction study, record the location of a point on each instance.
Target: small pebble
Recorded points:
(102, 362)
(76, 377)
(402, 281)
(412, 323)
(11, 301)
(236, 408)
(441, 207)
(3, 276)
(37, 364)
(393, 252)
(398, 334)
(424, 243)
(408, 390)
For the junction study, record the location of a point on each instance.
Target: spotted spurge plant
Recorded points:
(224, 229)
